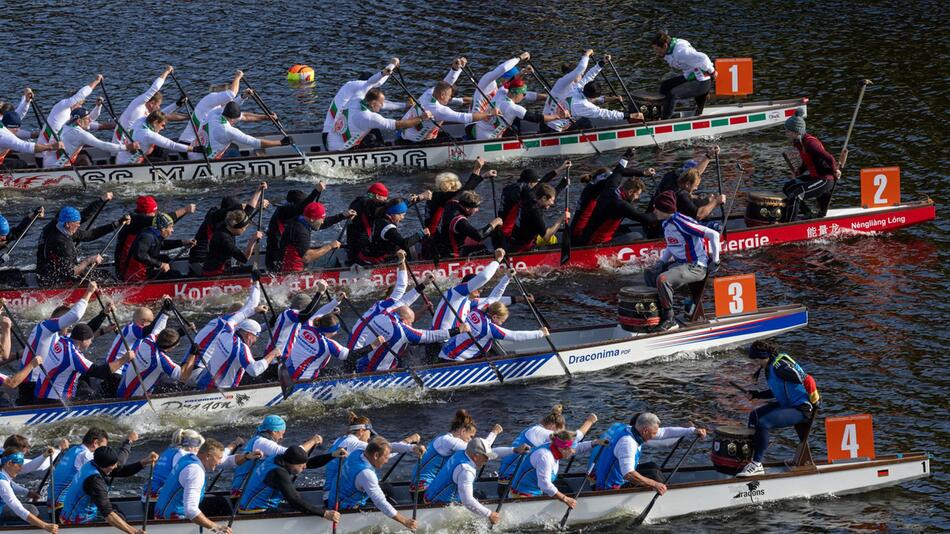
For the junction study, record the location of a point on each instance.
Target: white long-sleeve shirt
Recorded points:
(74, 139)
(136, 109)
(10, 141)
(352, 125)
(10, 492)
(222, 133)
(485, 332)
(397, 298)
(545, 465)
(627, 451)
(493, 127)
(46, 333)
(488, 83)
(458, 298)
(206, 336)
(686, 241)
(447, 444)
(368, 482)
(192, 480)
(22, 108)
(440, 113)
(205, 106)
(355, 89)
(398, 336)
(694, 64)
(148, 139)
(561, 90)
(59, 115)
(40, 463)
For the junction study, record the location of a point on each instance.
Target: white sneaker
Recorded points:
(752, 469)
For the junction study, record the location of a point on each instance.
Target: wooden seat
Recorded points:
(696, 291)
(802, 458)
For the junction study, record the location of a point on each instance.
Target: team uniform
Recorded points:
(398, 337)
(9, 141)
(87, 497)
(624, 451)
(58, 117)
(10, 495)
(438, 452)
(488, 84)
(185, 488)
(61, 371)
(686, 242)
(221, 133)
(429, 130)
(206, 348)
(493, 127)
(351, 91)
(352, 444)
(152, 363)
(354, 123)
(136, 110)
(456, 236)
(570, 96)
(147, 138)
(231, 359)
(462, 347)
(533, 436)
(359, 483)
(456, 480)
(694, 82)
(361, 334)
(457, 298)
(536, 474)
(282, 216)
(816, 177)
(74, 139)
(796, 396)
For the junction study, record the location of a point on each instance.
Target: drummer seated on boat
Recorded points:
(146, 261)
(508, 102)
(816, 174)
(684, 260)
(461, 431)
(359, 482)
(456, 236)
(620, 466)
(296, 252)
(224, 256)
(351, 126)
(485, 325)
(87, 499)
(11, 464)
(397, 331)
(184, 490)
(222, 133)
(271, 487)
(795, 393)
(538, 472)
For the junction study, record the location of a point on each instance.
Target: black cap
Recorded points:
(81, 332)
(295, 455)
(295, 196)
(529, 175)
(232, 110)
(105, 456)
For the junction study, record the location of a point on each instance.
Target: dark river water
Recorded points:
(877, 338)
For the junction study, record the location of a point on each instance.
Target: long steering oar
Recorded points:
(128, 349)
(118, 126)
(191, 339)
(6, 255)
(115, 233)
(415, 376)
(577, 494)
(193, 119)
(632, 101)
(470, 74)
(273, 118)
(547, 89)
(843, 158)
(41, 119)
(646, 511)
(537, 316)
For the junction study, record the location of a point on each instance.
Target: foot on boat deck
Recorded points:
(667, 325)
(752, 469)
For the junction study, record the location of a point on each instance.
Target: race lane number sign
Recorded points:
(880, 187)
(849, 437)
(734, 76)
(735, 294)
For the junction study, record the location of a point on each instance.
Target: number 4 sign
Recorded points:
(734, 76)
(850, 437)
(735, 294)
(880, 187)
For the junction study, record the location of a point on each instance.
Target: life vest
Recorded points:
(292, 260)
(790, 394)
(525, 480)
(606, 472)
(65, 470)
(329, 472)
(429, 466)
(509, 218)
(171, 503)
(443, 488)
(378, 249)
(447, 239)
(347, 494)
(244, 469)
(508, 462)
(258, 496)
(78, 507)
(136, 271)
(605, 232)
(163, 468)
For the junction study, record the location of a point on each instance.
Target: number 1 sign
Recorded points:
(734, 76)
(735, 294)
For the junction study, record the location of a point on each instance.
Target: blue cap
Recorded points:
(272, 423)
(511, 73)
(4, 226)
(397, 209)
(69, 214)
(12, 119)
(689, 165)
(78, 113)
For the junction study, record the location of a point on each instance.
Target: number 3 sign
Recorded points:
(880, 187)
(849, 437)
(735, 294)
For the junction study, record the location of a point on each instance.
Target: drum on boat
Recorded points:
(732, 448)
(638, 308)
(651, 104)
(764, 208)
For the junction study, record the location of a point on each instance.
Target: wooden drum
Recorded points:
(764, 208)
(732, 448)
(638, 308)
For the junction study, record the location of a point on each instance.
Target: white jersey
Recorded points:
(46, 333)
(352, 90)
(152, 363)
(59, 115)
(74, 139)
(493, 127)
(222, 133)
(311, 352)
(132, 334)
(462, 347)
(232, 358)
(353, 123)
(148, 139)
(440, 113)
(458, 298)
(136, 109)
(570, 95)
(399, 297)
(204, 107)
(205, 337)
(398, 336)
(694, 64)
(10, 141)
(489, 85)
(686, 241)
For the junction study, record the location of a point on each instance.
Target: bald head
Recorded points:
(143, 316)
(406, 315)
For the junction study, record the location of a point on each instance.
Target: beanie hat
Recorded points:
(315, 210)
(272, 423)
(232, 110)
(397, 208)
(529, 175)
(4, 226)
(230, 204)
(378, 189)
(295, 455)
(250, 325)
(146, 204)
(691, 163)
(68, 214)
(163, 220)
(665, 202)
(105, 456)
(796, 123)
(295, 196)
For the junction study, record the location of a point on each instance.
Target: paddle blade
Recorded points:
(646, 511)
(566, 243)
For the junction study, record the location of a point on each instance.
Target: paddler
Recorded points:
(153, 362)
(508, 102)
(531, 227)
(221, 133)
(271, 487)
(214, 217)
(147, 133)
(447, 187)
(286, 325)
(816, 174)
(397, 295)
(82, 453)
(670, 180)
(8, 235)
(224, 256)
(360, 483)
(57, 257)
(205, 346)
(146, 208)
(295, 240)
(461, 431)
(11, 464)
(598, 181)
(359, 229)
(537, 473)
(40, 462)
(684, 260)
(184, 489)
(485, 325)
(137, 329)
(456, 236)
(267, 440)
(386, 239)
(693, 205)
(352, 126)
(795, 393)
(315, 345)
(146, 103)
(182, 441)
(464, 295)
(577, 92)
(75, 136)
(87, 499)
(620, 465)
(488, 83)
(697, 72)
(232, 357)
(397, 330)
(10, 141)
(61, 112)
(355, 90)
(219, 95)
(283, 215)
(615, 204)
(521, 193)
(146, 261)
(436, 100)
(59, 376)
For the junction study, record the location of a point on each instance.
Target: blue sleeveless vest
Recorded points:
(242, 470)
(65, 471)
(432, 462)
(525, 480)
(788, 394)
(258, 495)
(443, 488)
(78, 507)
(508, 463)
(329, 472)
(607, 473)
(163, 467)
(349, 496)
(171, 504)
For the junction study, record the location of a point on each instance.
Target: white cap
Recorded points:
(480, 446)
(250, 325)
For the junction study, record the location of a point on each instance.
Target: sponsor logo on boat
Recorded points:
(186, 291)
(24, 301)
(752, 490)
(881, 223)
(629, 254)
(756, 241)
(207, 404)
(599, 355)
(775, 115)
(456, 152)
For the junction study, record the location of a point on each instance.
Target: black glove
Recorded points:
(196, 149)
(712, 269)
(181, 101)
(287, 140)
(167, 305)
(454, 331)
(256, 275)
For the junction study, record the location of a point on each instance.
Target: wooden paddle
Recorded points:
(192, 118)
(41, 119)
(6, 255)
(577, 494)
(273, 118)
(415, 484)
(646, 511)
(96, 214)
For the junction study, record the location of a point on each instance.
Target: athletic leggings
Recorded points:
(765, 418)
(678, 88)
(797, 190)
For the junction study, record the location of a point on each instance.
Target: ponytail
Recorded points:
(555, 418)
(462, 420)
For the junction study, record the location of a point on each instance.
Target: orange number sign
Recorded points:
(735, 294)
(880, 187)
(849, 437)
(734, 76)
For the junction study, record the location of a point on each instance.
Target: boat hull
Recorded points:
(585, 350)
(718, 121)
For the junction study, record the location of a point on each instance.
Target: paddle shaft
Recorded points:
(670, 455)
(504, 496)
(632, 101)
(541, 321)
(236, 502)
(95, 215)
(49, 472)
(732, 202)
(192, 118)
(118, 125)
(566, 233)
(415, 483)
(171, 262)
(273, 118)
(41, 119)
(115, 233)
(577, 495)
(547, 89)
(470, 74)
(338, 238)
(722, 207)
(369, 324)
(6, 255)
(646, 511)
(494, 195)
(128, 349)
(393, 467)
(148, 494)
(336, 490)
(843, 158)
(194, 347)
(737, 386)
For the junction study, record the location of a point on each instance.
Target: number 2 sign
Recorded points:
(849, 438)
(734, 76)
(880, 187)
(735, 294)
